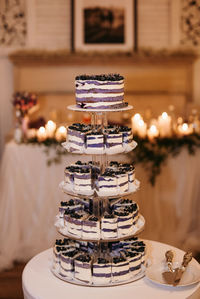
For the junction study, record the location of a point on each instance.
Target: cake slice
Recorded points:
(108, 226)
(124, 222)
(95, 142)
(75, 223)
(67, 263)
(91, 228)
(113, 141)
(101, 271)
(82, 267)
(120, 269)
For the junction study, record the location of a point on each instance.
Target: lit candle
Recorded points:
(135, 121)
(41, 134)
(61, 134)
(185, 129)
(152, 132)
(142, 128)
(31, 133)
(50, 128)
(164, 124)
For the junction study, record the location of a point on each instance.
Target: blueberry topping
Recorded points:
(102, 77)
(93, 218)
(70, 253)
(83, 258)
(117, 260)
(109, 216)
(102, 261)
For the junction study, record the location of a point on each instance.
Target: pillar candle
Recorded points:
(185, 129)
(142, 128)
(50, 129)
(41, 134)
(135, 121)
(152, 132)
(164, 125)
(61, 134)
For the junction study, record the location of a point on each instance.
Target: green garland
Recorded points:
(50, 143)
(151, 155)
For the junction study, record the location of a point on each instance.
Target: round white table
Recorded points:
(39, 282)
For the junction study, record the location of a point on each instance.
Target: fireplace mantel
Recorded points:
(153, 80)
(63, 57)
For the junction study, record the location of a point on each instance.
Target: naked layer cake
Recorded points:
(100, 91)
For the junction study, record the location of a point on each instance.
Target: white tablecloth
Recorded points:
(39, 282)
(29, 199)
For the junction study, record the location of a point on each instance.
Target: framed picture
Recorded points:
(103, 25)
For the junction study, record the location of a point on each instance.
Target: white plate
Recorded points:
(75, 108)
(191, 275)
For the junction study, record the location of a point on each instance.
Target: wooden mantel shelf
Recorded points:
(63, 57)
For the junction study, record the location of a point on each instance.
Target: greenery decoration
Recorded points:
(151, 155)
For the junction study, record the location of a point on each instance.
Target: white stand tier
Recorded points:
(109, 151)
(67, 188)
(39, 282)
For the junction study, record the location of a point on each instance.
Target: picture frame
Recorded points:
(103, 25)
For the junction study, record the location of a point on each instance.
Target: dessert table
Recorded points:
(39, 282)
(29, 198)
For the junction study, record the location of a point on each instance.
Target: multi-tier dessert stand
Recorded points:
(101, 203)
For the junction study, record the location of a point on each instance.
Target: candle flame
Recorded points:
(62, 129)
(50, 123)
(164, 115)
(185, 127)
(137, 116)
(42, 130)
(141, 123)
(153, 129)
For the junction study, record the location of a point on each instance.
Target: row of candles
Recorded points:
(49, 131)
(162, 127)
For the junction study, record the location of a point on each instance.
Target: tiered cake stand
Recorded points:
(101, 203)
